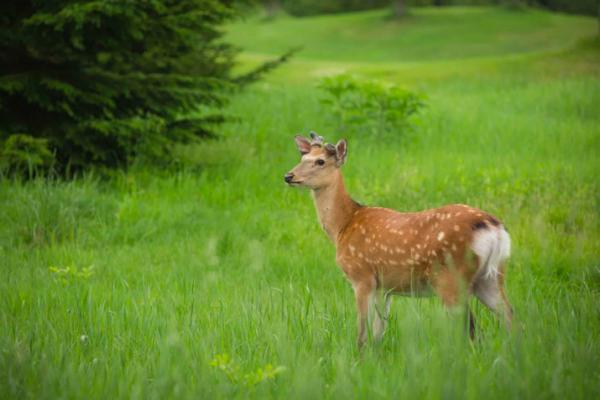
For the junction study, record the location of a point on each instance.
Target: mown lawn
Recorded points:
(202, 283)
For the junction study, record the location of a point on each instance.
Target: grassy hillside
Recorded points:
(188, 285)
(430, 45)
(428, 34)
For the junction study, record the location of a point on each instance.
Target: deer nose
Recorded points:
(288, 177)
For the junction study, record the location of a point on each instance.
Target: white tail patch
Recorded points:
(492, 246)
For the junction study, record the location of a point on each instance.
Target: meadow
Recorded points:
(216, 281)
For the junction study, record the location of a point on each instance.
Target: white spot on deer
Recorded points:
(360, 255)
(453, 247)
(352, 249)
(440, 236)
(471, 211)
(405, 241)
(456, 228)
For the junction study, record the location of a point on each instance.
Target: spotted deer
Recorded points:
(456, 250)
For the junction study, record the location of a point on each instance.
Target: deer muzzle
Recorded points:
(289, 177)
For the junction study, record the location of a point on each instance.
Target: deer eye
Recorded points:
(320, 162)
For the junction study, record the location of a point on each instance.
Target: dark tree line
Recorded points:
(400, 7)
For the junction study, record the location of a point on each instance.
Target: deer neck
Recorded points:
(334, 206)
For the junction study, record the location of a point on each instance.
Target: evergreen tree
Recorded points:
(103, 81)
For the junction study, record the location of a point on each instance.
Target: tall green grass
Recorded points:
(131, 287)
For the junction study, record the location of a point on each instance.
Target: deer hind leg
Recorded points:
(490, 291)
(447, 285)
(471, 323)
(380, 314)
(450, 286)
(363, 292)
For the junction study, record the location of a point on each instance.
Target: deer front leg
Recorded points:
(363, 292)
(381, 313)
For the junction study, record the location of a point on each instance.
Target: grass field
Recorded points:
(217, 282)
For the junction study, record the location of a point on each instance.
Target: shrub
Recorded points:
(368, 105)
(24, 155)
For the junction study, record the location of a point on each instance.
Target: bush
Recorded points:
(24, 155)
(371, 106)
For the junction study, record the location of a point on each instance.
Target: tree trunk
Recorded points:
(271, 9)
(399, 7)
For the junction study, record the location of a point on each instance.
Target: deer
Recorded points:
(455, 251)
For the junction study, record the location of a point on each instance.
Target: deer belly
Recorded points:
(409, 282)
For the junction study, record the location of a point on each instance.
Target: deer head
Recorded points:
(319, 162)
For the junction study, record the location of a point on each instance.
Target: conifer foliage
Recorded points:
(101, 82)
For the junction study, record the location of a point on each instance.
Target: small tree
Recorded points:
(106, 80)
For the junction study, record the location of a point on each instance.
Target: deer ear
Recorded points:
(341, 149)
(303, 144)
